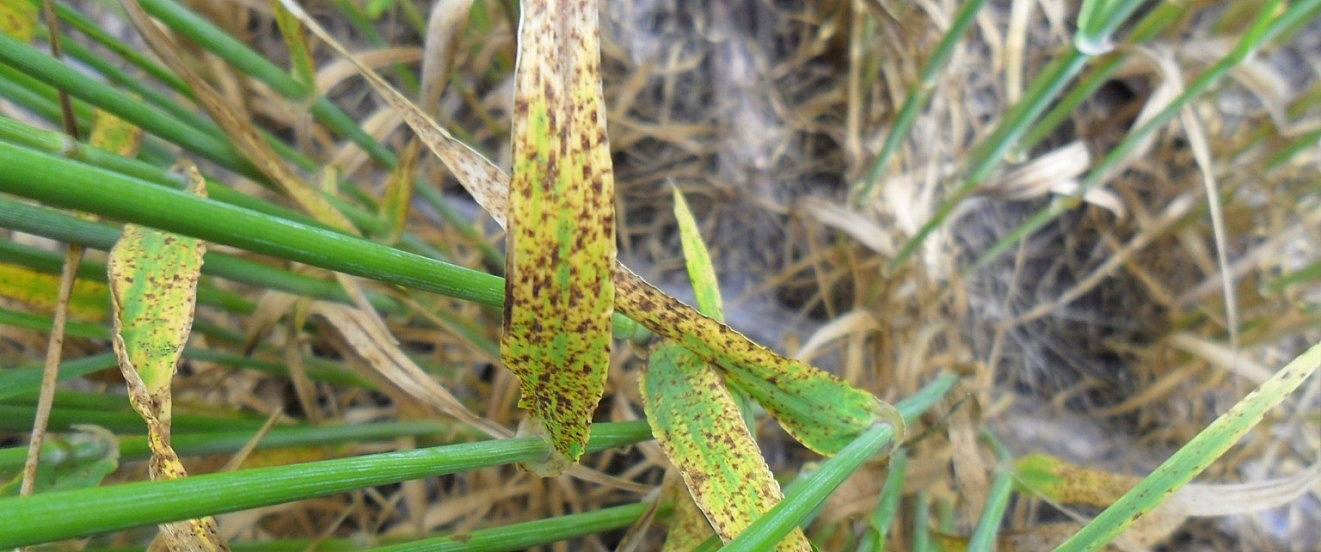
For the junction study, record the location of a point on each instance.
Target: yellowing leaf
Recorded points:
(39, 290)
(1066, 483)
(818, 409)
(688, 527)
(153, 289)
(113, 134)
(18, 19)
(821, 411)
(558, 294)
(697, 423)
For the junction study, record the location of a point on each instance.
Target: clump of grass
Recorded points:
(1103, 220)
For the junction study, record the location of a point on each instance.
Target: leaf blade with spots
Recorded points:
(797, 401)
(558, 294)
(153, 289)
(694, 418)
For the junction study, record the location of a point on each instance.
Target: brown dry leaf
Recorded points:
(361, 336)
(153, 283)
(445, 27)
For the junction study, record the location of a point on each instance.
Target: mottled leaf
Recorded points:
(818, 409)
(695, 420)
(153, 289)
(821, 411)
(18, 19)
(40, 290)
(558, 294)
(688, 527)
(113, 134)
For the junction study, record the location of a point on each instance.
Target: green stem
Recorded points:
(918, 95)
(997, 499)
(47, 517)
(801, 501)
(520, 536)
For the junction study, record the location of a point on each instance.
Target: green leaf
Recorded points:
(698, 260)
(698, 425)
(558, 296)
(62, 470)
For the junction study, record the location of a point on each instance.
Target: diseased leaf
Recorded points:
(153, 289)
(40, 290)
(18, 19)
(695, 420)
(688, 527)
(113, 134)
(821, 411)
(558, 294)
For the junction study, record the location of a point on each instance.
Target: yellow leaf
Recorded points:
(40, 290)
(558, 294)
(18, 19)
(113, 134)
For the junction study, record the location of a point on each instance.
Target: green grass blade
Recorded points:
(801, 501)
(918, 96)
(520, 536)
(1196, 455)
(47, 517)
